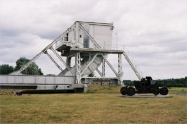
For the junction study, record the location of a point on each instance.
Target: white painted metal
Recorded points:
(81, 35)
(99, 72)
(110, 65)
(92, 32)
(78, 68)
(34, 80)
(90, 62)
(60, 58)
(99, 33)
(120, 73)
(97, 46)
(132, 66)
(53, 60)
(103, 68)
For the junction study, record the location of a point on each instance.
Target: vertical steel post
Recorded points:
(68, 62)
(120, 69)
(77, 32)
(103, 68)
(78, 68)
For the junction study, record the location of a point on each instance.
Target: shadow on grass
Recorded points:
(146, 96)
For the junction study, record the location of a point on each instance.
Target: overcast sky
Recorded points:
(153, 32)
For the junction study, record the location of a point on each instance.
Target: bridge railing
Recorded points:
(35, 80)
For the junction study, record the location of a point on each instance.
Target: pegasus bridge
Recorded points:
(90, 44)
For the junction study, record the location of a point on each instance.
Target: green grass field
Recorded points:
(101, 105)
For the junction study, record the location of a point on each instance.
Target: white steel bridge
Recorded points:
(89, 43)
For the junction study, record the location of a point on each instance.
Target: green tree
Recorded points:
(32, 69)
(6, 69)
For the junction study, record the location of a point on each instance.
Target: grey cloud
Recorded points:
(153, 31)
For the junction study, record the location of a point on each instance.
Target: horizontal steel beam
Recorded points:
(91, 50)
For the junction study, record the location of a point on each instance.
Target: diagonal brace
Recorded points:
(92, 39)
(99, 72)
(60, 58)
(89, 64)
(53, 60)
(110, 65)
(132, 66)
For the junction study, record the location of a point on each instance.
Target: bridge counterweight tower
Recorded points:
(90, 43)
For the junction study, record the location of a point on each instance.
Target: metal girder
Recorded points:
(101, 51)
(77, 31)
(99, 72)
(132, 66)
(103, 68)
(68, 62)
(60, 58)
(89, 64)
(120, 69)
(78, 68)
(110, 65)
(53, 60)
(92, 39)
(125, 55)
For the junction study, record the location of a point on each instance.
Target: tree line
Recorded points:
(32, 69)
(179, 82)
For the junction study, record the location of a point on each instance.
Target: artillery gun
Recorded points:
(145, 85)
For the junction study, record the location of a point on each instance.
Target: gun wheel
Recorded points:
(130, 91)
(155, 91)
(163, 91)
(123, 90)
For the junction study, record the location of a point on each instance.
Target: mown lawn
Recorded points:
(102, 105)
